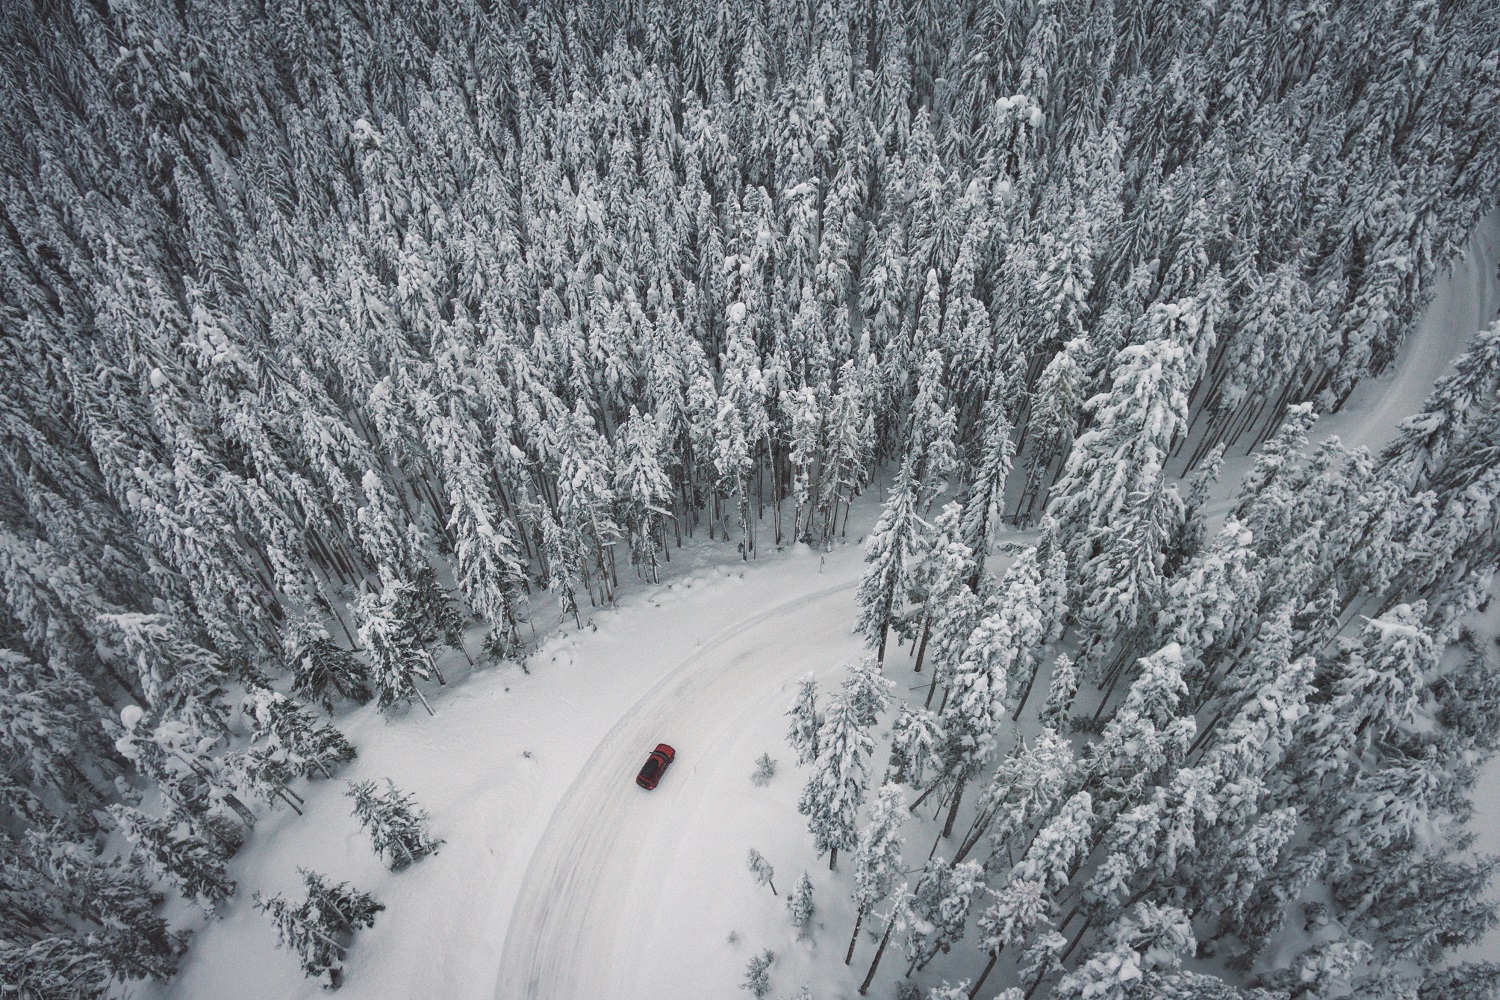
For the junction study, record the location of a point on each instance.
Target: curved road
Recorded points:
(592, 877)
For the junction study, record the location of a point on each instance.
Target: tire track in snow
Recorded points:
(606, 836)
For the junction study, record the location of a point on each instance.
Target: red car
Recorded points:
(655, 766)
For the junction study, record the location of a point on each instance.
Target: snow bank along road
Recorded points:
(592, 909)
(587, 905)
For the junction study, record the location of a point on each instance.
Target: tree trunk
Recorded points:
(1026, 693)
(930, 689)
(1081, 932)
(958, 795)
(859, 918)
(833, 858)
(420, 696)
(994, 956)
(928, 791)
(885, 938)
(922, 649)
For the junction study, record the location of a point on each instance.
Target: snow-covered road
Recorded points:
(584, 923)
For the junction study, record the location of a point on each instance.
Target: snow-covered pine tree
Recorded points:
(1469, 981)
(320, 928)
(940, 909)
(800, 903)
(765, 770)
(984, 505)
(1025, 787)
(434, 616)
(1056, 407)
(1060, 846)
(50, 733)
(757, 974)
(802, 735)
(394, 644)
(322, 670)
(866, 692)
(385, 533)
(946, 582)
(397, 827)
(644, 490)
(1061, 688)
(1019, 908)
(1148, 939)
(931, 428)
(877, 860)
(836, 788)
(892, 553)
(183, 858)
(78, 921)
(1028, 618)
(1211, 604)
(915, 737)
(976, 703)
(263, 771)
(309, 746)
(761, 869)
(1424, 439)
(1113, 511)
(338, 905)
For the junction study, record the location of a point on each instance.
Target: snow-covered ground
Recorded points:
(529, 779)
(560, 878)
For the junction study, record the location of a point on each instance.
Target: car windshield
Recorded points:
(653, 764)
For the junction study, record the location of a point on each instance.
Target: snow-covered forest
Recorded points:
(345, 341)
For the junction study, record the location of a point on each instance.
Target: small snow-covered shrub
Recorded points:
(757, 976)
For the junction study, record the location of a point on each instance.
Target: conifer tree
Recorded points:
(915, 737)
(757, 974)
(308, 745)
(877, 860)
(834, 792)
(1020, 906)
(984, 506)
(762, 870)
(320, 928)
(891, 556)
(321, 670)
(394, 644)
(1061, 688)
(1113, 512)
(397, 827)
(940, 906)
(195, 868)
(800, 903)
(865, 692)
(806, 721)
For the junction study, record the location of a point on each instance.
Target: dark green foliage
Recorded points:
(74, 922)
(180, 856)
(397, 827)
(322, 671)
(310, 747)
(1470, 981)
(321, 927)
(1469, 702)
(1424, 906)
